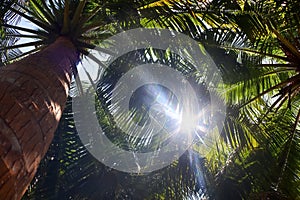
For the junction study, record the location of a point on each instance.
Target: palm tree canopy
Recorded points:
(253, 154)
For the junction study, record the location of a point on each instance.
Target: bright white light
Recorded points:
(188, 122)
(185, 121)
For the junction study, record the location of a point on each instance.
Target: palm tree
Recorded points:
(251, 140)
(259, 59)
(260, 135)
(258, 55)
(36, 87)
(35, 84)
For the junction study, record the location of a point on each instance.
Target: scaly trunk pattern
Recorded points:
(33, 92)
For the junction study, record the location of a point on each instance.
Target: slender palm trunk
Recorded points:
(33, 92)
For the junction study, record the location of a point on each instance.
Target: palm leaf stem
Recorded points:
(37, 32)
(44, 9)
(289, 80)
(36, 43)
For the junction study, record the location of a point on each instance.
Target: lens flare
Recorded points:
(175, 116)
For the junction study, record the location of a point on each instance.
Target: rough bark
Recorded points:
(33, 92)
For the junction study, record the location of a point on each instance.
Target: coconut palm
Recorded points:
(259, 59)
(262, 125)
(260, 67)
(251, 140)
(35, 88)
(35, 84)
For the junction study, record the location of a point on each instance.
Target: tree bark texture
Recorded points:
(33, 93)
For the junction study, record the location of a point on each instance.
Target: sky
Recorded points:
(25, 23)
(90, 66)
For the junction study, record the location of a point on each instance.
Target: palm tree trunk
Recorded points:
(33, 92)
